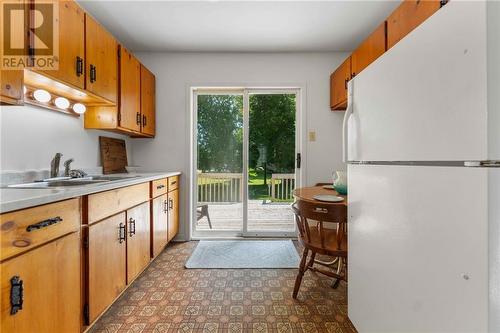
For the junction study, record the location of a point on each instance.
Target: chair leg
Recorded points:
(302, 269)
(209, 222)
(311, 260)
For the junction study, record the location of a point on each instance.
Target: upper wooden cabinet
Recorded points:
(101, 61)
(409, 15)
(71, 45)
(11, 89)
(371, 48)
(148, 101)
(338, 85)
(130, 91)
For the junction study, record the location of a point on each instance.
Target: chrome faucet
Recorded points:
(54, 165)
(73, 173)
(67, 167)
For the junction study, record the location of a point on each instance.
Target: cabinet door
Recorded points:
(148, 101)
(71, 45)
(338, 85)
(106, 263)
(138, 240)
(409, 15)
(11, 89)
(130, 91)
(173, 214)
(50, 278)
(101, 60)
(160, 223)
(371, 48)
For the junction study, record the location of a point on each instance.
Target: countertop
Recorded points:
(19, 198)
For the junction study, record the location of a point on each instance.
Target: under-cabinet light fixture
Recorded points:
(61, 102)
(42, 96)
(79, 108)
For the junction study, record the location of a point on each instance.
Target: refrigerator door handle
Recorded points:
(347, 115)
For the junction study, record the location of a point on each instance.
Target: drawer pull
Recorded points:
(132, 230)
(174, 182)
(159, 187)
(43, 224)
(16, 294)
(121, 233)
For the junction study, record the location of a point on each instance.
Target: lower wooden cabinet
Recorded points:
(138, 238)
(107, 253)
(173, 214)
(159, 237)
(47, 280)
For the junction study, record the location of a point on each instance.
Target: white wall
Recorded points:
(176, 72)
(30, 136)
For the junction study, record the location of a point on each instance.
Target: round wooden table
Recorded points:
(307, 194)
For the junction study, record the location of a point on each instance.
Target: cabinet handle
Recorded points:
(121, 233)
(165, 206)
(143, 120)
(170, 204)
(16, 294)
(44, 223)
(132, 230)
(174, 182)
(79, 66)
(159, 187)
(138, 118)
(93, 73)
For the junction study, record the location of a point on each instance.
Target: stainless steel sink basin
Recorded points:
(72, 182)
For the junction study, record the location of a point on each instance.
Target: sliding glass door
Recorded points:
(245, 158)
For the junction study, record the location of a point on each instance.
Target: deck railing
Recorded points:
(220, 187)
(282, 185)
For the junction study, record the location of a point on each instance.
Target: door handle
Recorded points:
(16, 294)
(165, 206)
(138, 118)
(132, 230)
(121, 233)
(143, 120)
(299, 160)
(92, 73)
(347, 115)
(170, 204)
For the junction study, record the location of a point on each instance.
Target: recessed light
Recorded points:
(79, 108)
(42, 95)
(61, 103)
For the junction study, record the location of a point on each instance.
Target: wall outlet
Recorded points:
(312, 136)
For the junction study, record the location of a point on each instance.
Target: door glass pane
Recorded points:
(220, 162)
(271, 164)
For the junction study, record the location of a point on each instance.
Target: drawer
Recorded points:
(104, 204)
(159, 187)
(173, 183)
(24, 229)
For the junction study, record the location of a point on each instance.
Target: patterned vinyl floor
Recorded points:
(169, 298)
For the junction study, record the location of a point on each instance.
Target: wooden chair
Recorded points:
(202, 211)
(311, 219)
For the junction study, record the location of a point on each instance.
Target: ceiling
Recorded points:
(240, 26)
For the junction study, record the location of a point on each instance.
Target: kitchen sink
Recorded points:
(72, 182)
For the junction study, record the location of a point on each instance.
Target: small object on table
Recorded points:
(328, 198)
(340, 182)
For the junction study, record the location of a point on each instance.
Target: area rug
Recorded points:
(244, 254)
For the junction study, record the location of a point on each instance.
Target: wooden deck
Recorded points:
(261, 216)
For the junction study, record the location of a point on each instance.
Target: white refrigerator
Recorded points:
(422, 142)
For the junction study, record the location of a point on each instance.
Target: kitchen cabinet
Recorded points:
(11, 89)
(106, 263)
(159, 225)
(173, 213)
(371, 48)
(47, 279)
(101, 61)
(138, 240)
(409, 15)
(338, 85)
(148, 102)
(130, 91)
(71, 45)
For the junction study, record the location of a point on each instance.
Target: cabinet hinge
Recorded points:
(119, 116)
(86, 242)
(119, 53)
(86, 314)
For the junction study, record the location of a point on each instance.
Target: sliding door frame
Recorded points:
(299, 148)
